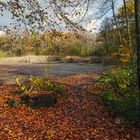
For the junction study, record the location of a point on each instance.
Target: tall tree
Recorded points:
(128, 31)
(115, 19)
(127, 23)
(137, 23)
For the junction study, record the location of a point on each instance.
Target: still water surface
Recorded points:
(8, 72)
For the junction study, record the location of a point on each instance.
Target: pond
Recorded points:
(8, 72)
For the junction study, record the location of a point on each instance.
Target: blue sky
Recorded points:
(5, 20)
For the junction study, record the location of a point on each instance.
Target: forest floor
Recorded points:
(79, 116)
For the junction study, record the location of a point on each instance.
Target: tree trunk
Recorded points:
(128, 31)
(106, 37)
(116, 24)
(127, 23)
(137, 23)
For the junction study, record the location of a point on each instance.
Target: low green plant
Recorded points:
(37, 83)
(48, 92)
(54, 86)
(119, 93)
(13, 102)
(19, 80)
(120, 81)
(22, 86)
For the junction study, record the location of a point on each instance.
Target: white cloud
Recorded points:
(2, 33)
(93, 25)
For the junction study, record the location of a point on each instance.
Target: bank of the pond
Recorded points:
(68, 59)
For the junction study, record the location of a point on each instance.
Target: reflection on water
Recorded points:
(62, 69)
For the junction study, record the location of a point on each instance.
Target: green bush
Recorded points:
(2, 54)
(37, 83)
(119, 93)
(71, 51)
(99, 52)
(46, 95)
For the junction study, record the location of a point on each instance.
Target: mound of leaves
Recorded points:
(34, 100)
(39, 100)
(36, 93)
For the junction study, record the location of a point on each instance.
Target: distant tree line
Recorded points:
(48, 43)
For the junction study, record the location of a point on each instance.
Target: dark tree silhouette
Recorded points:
(137, 23)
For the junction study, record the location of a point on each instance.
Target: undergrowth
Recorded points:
(119, 93)
(37, 92)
